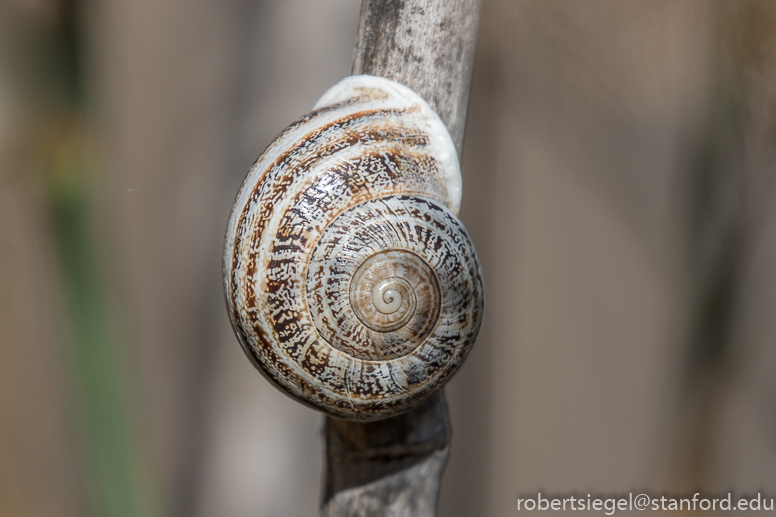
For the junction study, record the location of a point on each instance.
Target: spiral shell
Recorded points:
(349, 280)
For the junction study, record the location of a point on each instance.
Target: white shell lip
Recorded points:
(380, 90)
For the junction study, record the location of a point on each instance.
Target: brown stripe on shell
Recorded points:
(402, 171)
(276, 179)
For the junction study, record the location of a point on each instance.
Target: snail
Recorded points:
(349, 280)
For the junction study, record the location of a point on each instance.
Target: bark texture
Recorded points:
(427, 45)
(393, 467)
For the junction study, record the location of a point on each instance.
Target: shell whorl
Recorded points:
(349, 280)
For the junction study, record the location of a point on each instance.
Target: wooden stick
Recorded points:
(393, 467)
(427, 45)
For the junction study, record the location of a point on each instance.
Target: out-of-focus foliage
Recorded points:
(47, 144)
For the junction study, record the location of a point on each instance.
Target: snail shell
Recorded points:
(350, 282)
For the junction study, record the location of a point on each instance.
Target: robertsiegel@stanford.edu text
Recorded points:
(609, 505)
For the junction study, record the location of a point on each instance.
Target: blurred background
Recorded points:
(619, 184)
